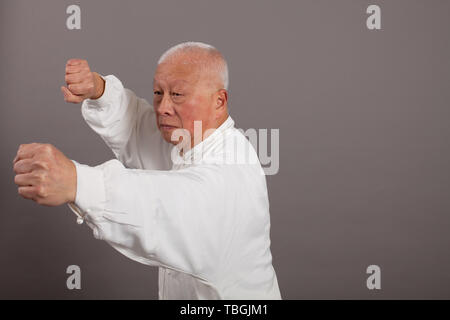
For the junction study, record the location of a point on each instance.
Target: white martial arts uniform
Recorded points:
(205, 223)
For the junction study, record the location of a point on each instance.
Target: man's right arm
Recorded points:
(125, 122)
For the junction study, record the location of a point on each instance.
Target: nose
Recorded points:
(165, 107)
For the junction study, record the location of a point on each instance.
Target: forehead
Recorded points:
(175, 72)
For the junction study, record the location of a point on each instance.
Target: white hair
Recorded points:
(219, 62)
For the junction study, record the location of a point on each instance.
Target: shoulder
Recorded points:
(234, 149)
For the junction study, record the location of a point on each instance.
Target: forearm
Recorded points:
(113, 114)
(135, 212)
(127, 124)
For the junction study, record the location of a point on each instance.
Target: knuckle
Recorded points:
(41, 191)
(39, 176)
(40, 164)
(47, 148)
(73, 88)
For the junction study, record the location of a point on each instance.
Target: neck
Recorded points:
(206, 133)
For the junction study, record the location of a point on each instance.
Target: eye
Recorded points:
(156, 92)
(176, 94)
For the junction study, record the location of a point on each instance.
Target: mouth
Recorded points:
(166, 127)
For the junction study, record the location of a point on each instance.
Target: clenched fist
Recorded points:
(81, 82)
(45, 175)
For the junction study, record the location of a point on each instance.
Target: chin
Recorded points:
(167, 137)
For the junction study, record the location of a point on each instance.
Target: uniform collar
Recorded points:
(202, 148)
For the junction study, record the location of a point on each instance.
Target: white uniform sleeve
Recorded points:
(178, 219)
(127, 124)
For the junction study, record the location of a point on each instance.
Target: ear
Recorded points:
(221, 100)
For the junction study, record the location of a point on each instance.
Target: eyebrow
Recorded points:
(173, 82)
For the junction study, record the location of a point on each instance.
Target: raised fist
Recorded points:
(45, 175)
(82, 83)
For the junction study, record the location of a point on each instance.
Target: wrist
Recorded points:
(99, 84)
(72, 193)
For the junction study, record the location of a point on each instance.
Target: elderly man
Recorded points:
(177, 197)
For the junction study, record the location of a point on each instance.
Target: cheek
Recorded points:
(188, 112)
(187, 115)
(194, 110)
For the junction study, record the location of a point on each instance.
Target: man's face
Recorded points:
(182, 95)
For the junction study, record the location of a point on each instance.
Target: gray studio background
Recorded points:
(364, 136)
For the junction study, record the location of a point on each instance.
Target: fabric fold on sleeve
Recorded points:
(90, 196)
(164, 218)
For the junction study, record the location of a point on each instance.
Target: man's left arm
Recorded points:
(179, 219)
